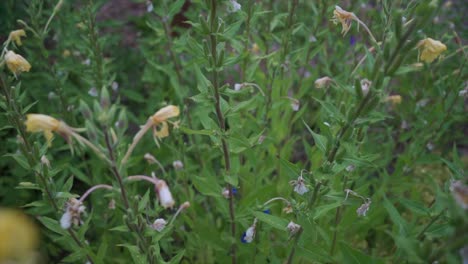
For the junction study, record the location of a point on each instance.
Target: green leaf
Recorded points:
(175, 7)
(51, 224)
(207, 186)
(395, 216)
(319, 211)
(121, 228)
(271, 220)
(20, 159)
(189, 131)
(353, 256)
(176, 259)
(137, 257)
(143, 202)
(320, 141)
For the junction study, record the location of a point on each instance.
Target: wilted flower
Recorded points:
(249, 235)
(19, 237)
(45, 124)
(460, 193)
(365, 86)
(323, 82)
(16, 35)
(394, 99)
(344, 17)
(295, 104)
(45, 161)
(16, 63)
(178, 165)
(293, 228)
(350, 168)
(164, 194)
(299, 185)
(160, 117)
(72, 215)
(362, 210)
(233, 6)
(430, 49)
(255, 48)
(111, 204)
(159, 224)
(288, 209)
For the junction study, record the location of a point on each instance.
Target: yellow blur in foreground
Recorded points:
(19, 237)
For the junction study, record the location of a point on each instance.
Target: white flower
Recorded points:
(159, 224)
(362, 210)
(164, 194)
(460, 193)
(350, 168)
(225, 193)
(365, 86)
(295, 104)
(299, 185)
(238, 86)
(65, 221)
(249, 235)
(149, 6)
(93, 92)
(178, 165)
(72, 213)
(115, 86)
(233, 6)
(293, 228)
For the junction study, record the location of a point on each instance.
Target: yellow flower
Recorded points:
(394, 99)
(16, 63)
(163, 131)
(43, 123)
(430, 49)
(16, 35)
(19, 237)
(344, 17)
(165, 113)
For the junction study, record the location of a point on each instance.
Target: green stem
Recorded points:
(221, 120)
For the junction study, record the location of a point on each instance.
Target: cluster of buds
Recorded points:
(293, 228)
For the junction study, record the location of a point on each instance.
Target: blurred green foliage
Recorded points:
(245, 80)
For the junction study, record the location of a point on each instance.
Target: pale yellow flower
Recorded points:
(16, 63)
(165, 113)
(163, 131)
(16, 35)
(394, 99)
(344, 17)
(323, 82)
(430, 49)
(159, 118)
(19, 237)
(47, 124)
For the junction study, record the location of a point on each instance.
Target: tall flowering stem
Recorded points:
(213, 19)
(15, 117)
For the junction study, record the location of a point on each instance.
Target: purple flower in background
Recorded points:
(267, 211)
(352, 40)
